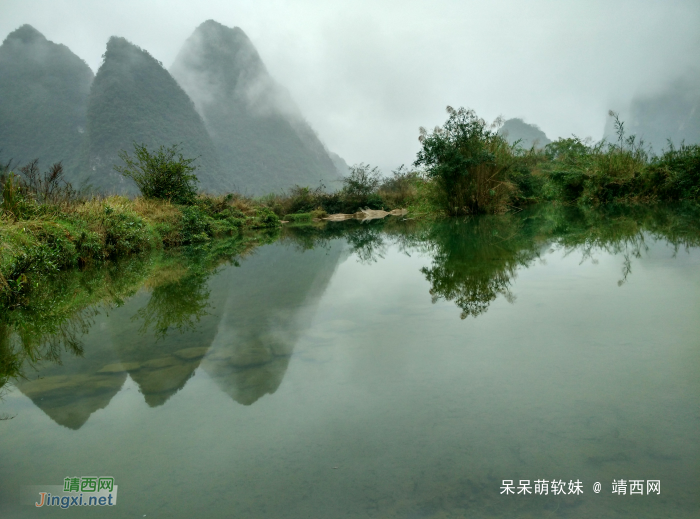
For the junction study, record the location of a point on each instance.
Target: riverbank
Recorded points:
(39, 239)
(463, 168)
(473, 262)
(466, 167)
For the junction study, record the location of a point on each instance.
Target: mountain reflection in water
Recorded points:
(248, 318)
(387, 369)
(240, 323)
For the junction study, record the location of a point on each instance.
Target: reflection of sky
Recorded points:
(420, 412)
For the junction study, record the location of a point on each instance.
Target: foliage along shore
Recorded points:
(46, 227)
(470, 261)
(464, 167)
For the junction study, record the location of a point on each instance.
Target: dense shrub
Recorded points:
(400, 189)
(124, 232)
(363, 188)
(675, 174)
(469, 162)
(360, 187)
(195, 227)
(164, 174)
(265, 217)
(597, 173)
(29, 194)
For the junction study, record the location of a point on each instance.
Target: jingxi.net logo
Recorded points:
(76, 491)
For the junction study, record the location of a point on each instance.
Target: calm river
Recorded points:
(387, 369)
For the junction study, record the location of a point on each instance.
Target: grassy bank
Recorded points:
(49, 230)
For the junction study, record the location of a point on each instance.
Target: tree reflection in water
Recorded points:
(474, 260)
(243, 327)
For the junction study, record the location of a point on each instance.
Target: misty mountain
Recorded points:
(341, 166)
(134, 99)
(43, 91)
(672, 113)
(528, 134)
(259, 132)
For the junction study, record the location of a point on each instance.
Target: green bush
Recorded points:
(264, 217)
(30, 194)
(125, 233)
(195, 227)
(14, 205)
(400, 189)
(299, 217)
(362, 181)
(164, 174)
(469, 162)
(676, 173)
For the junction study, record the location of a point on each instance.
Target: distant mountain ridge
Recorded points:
(529, 135)
(670, 114)
(43, 97)
(247, 133)
(259, 132)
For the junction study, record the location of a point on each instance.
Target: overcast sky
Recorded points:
(367, 74)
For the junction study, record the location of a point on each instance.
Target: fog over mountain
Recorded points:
(244, 129)
(43, 95)
(366, 75)
(670, 113)
(529, 135)
(263, 141)
(134, 99)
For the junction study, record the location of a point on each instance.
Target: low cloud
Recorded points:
(367, 74)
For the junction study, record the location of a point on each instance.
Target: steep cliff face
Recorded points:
(43, 97)
(134, 99)
(264, 143)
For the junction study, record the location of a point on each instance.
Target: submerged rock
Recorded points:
(69, 400)
(191, 353)
(247, 385)
(120, 367)
(158, 385)
(161, 362)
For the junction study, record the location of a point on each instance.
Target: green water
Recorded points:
(392, 369)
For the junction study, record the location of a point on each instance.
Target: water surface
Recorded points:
(396, 369)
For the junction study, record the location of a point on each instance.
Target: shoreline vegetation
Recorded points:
(463, 168)
(470, 261)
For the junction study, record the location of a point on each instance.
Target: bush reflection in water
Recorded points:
(167, 317)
